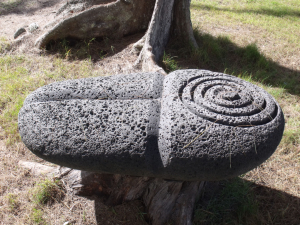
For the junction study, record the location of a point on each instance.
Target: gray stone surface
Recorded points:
(189, 125)
(33, 27)
(19, 32)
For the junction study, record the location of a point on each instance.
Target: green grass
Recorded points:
(36, 217)
(46, 191)
(15, 84)
(73, 49)
(169, 63)
(20, 75)
(4, 45)
(13, 202)
(280, 18)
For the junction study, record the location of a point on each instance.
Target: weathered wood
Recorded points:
(165, 201)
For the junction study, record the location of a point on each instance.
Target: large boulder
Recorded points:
(189, 125)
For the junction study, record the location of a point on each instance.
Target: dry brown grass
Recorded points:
(275, 183)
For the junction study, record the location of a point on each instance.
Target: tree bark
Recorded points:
(156, 37)
(166, 202)
(169, 17)
(182, 24)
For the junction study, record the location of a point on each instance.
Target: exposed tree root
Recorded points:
(113, 20)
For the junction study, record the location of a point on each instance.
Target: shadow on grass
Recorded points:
(24, 6)
(221, 55)
(127, 213)
(231, 202)
(239, 201)
(280, 12)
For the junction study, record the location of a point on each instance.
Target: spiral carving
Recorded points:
(228, 100)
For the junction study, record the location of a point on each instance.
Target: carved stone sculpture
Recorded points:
(190, 125)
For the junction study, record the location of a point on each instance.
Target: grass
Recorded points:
(47, 191)
(278, 19)
(4, 45)
(12, 201)
(20, 75)
(36, 217)
(169, 63)
(72, 49)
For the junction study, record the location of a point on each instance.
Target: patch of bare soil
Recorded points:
(21, 13)
(112, 56)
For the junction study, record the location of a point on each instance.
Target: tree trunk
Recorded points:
(167, 14)
(166, 202)
(182, 24)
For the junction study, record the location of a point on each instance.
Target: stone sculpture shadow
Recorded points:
(273, 206)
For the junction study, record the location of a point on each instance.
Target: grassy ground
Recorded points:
(253, 39)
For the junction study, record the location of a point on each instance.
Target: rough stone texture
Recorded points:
(33, 27)
(19, 32)
(189, 125)
(96, 124)
(216, 124)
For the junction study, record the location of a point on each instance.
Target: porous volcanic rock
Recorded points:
(189, 125)
(217, 124)
(19, 32)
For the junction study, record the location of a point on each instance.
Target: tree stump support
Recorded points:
(166, 201)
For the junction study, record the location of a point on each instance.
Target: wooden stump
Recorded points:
(166, 201)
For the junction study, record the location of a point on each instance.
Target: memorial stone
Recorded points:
(189, 125)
